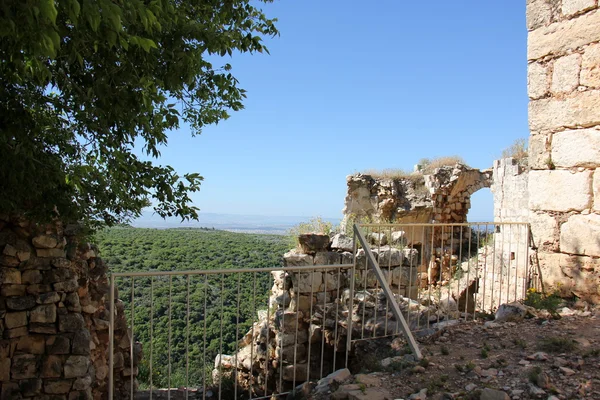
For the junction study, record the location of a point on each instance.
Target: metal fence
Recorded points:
(257, 333)
(443, 272)
(217, 338)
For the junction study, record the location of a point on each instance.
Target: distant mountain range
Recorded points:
(228, 222)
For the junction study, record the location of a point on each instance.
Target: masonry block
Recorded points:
(558, 38)
(579, 235)
(565, 74)
(572, 7)
(559, 190)
(537, 80)
(590, 66)
(576, 148)
(571, 112)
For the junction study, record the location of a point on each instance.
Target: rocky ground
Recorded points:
(535, 357)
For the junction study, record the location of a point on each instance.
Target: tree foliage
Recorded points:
(220, 308)
(82, 81)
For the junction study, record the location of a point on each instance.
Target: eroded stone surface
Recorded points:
(579, 235)
(576, 148)
(559, 190)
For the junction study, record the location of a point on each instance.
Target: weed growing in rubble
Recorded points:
(534, 374)
(556, 344)
(520, 343)
(540, 301)
(444, 350)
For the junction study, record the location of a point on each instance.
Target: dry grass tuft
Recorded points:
(517, 150)
(431, 165)
(389, 173)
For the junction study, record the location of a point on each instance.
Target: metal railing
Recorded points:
(262, 331)
(442, 272)
(290, 334)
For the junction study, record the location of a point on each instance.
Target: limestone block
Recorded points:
(559, 190)
(45, 241)
(298, 372)
(301, 303)
(327, 258)
(576, 148)
(537, 80)
(543, 228)
(571, 7)
(4, 369)
(35, 344)
(31, 276)
(83, 383)
(411, 256)
(290, 338)
(585, 273)
(50, 253)
(15, 319)
(10, 275)
(288, 321)
(12, 290)
(378, 239)
(333, 280)
(71, 322)
(539, 14)
(20, 303)
(23, 366)
(295, 259)
(305, 282)
(580, 235)
(551, 114)
(48, 298)
(15, 332)
(388, 256)
(57, 386)
(30, 387)
(313, 242)
(404, 276)
(590, 66)
(10, 390)
(550, 268)
(342, 242)
(596, 189)
(291, 353)
(44, 314)
(557, 38)
(347, 258)
(565, 74)
(76, 366)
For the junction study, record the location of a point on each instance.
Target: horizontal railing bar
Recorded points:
(232, 271)
(371, 225)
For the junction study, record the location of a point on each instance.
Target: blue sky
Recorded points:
(353, 85)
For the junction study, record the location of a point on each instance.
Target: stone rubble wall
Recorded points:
(564, 145)
(54, 317)
(307, 327)
(442, 196)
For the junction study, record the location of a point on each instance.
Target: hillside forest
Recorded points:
(200, 315)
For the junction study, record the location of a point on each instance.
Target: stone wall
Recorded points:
(54, 316)
(564, 145)
(440, 196)
(510, 190)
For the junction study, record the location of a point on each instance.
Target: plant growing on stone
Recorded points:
(540, 301)
(517, 150)
(555, 344)
(81, 85)
(431, 165)
(314, 225)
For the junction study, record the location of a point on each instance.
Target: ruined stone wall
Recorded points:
(440, 196)
(54, 317)
(564, 145)
(510, 190)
